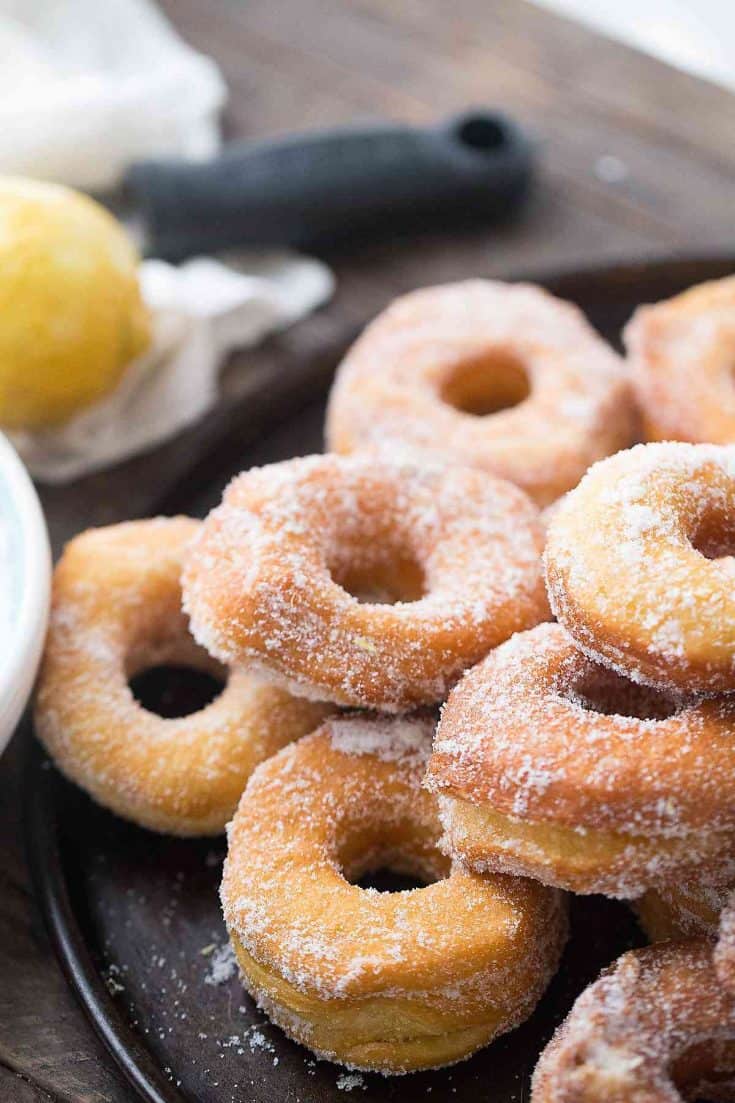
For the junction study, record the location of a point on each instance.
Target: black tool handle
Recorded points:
(333, 187)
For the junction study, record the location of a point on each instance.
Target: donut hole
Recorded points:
(702, 1068)
(714, 535)
(174, 691)
(173, 678)
(382, 581)
(486, 384)
(598, 690)
(387, 880)
(410, 860)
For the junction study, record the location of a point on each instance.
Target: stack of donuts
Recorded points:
(425, 673)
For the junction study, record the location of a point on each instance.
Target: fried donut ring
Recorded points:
(445, 364)
(639, 570)
(376, 981)
(271, 581)
(657, 1027)
(547, 770)
(689, 909)
(724, 953)
(116, 610)
(698, 909)
(681, 354)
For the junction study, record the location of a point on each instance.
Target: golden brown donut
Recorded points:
(375, 980)
(503, 377)
(116, 610)
(639, 566)
(684, 909)
(657, 1027)
(724, 952)
(696, 909)
(273, 578)
(681, 354)
(553, 767)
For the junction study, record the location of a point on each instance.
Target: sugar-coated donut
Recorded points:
(374, 980)
(116, 610)
(684, 909)
(503, 377)
(657, 1027)
(681, 354)
(271, 581)
(695, 910)
(639, 566)
(553, 767)
(724, 952)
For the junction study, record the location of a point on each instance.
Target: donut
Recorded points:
(499, 376)
(657, 1027)
(639, 570)
(681, 354)
(386, 981)
(116, 611)
(724, 952)
(276, 577)
(682, 910)
(550, 766)
(699, 909)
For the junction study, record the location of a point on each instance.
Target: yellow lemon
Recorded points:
(71, 313)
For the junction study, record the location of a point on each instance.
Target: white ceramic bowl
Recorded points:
(25, 586)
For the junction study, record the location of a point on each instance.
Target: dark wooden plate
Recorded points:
(135, 917)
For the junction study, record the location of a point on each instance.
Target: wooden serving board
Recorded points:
(135, 917)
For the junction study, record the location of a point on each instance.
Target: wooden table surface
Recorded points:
(636, 160)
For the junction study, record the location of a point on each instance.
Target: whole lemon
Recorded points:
(71, 313)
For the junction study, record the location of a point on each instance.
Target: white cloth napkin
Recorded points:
(202, 310)
(87, 86)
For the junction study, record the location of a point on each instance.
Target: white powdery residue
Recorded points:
(407, 741)
(223, 965)
(256, 1039)
(347, 1081)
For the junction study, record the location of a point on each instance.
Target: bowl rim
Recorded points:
(29, 623)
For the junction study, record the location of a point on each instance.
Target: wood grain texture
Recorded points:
(306, 63)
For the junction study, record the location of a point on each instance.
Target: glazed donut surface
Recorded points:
(391, 981)
(681, 355)
(116, 610)
(552, 767)
(497, 376)
(639, 567)
(273, 579)
(657, 1027)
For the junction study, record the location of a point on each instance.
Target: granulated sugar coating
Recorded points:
(686, 908)
(115, 611)
(681, 355)
(555, 767)
(497, 376)
(388, 981)
(639, 565)
(724, 955)
(656, 1022)
(275, 579)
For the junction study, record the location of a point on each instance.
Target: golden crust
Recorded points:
(544, 772)
(116, 610)
(580, 860)
(724, 952)
(639, 570)
(681, 354)
(657, 1027)
(554, 396)
(389, 981)
(697, 909)
(460, 552)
